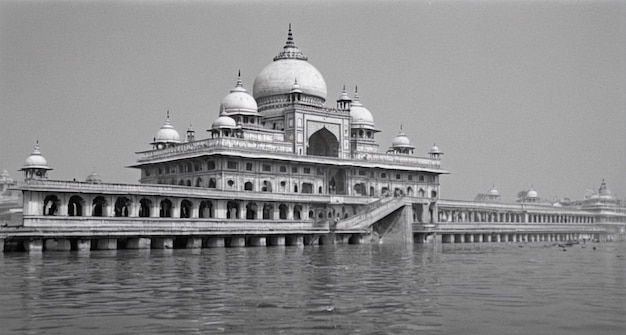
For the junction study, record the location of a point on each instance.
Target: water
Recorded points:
(342, 289)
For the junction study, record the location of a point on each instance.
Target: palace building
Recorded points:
(277, 166)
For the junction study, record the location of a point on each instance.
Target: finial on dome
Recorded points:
(290, 50)
(356, 93)
(400, 126)
(289, 36)
(239, 83)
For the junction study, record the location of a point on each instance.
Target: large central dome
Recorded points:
(290, 65)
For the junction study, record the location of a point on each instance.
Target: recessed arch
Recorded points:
(75, 206)
(121, 207)
(98, 206)
(323, 143)
(185, 209)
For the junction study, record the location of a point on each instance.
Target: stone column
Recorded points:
(242, 210)
(276, 240)
(83, 245)
(327, 239)
(311, 240)
(162, 243)
(237, 241)
(52, 244)
(106, 244)
(257, 241)
(215, 242)
(294, 240)
(194, 243)
(33, 246)
(1, 245)
(219, 211)
(138, 243)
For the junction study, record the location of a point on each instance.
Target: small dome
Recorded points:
(238, 101)
(224, 122)
(435, 150)
(36, 160)
(295, 88)
(277, 77)
(493, 191)
(401, 140)
(359, 114)
(604, 191)
(532, 194)
(94, 178)
(5, 178)
(344, 95)
(167, 133)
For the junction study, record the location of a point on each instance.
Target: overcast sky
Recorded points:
(516, 93)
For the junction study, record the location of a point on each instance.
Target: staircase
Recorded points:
(374, 212)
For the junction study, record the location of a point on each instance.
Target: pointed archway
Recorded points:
(323, 143)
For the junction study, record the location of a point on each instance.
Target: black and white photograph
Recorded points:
(313, 167)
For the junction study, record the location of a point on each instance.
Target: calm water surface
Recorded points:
(342, 289)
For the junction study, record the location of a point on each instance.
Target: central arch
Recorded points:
(323, 143)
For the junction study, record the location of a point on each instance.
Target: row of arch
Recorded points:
(166, 208)
(450, 215)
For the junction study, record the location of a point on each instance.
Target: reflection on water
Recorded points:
(342, 289)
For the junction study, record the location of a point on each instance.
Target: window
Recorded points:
(307, 170)
(160, 171)
(267, 168)
(147, 172)
(320, 172)
(433, 179)
(231, 165)
(421, 178)
(211, 165)
(362, 173)
(398, 176)
(231, 183)
(197, 167)
(410, 177)
(294, 169)
(283, 168)
(248, 166)
(383, 175)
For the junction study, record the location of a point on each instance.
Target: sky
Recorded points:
(515, 93)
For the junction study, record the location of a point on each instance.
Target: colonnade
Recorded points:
(504, 237)
(180, 242)
(464, 215)
(156, 206)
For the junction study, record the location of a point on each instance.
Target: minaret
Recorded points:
(344, 101)
(35, 166)
(435, 153)
(191, 134)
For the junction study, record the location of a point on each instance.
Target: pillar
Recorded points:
(215, 242)
(83, 245)
(138, 243)
(356, 239)
(478, 238)
(257, 241)
(194, 243)
(311, 240)
(327, 239)
(1, 245)
(33, 245)
(237, 241)
(294, 240)
(106, 244)
(52, 244)
(162, 243)
(469, 238)
(276, 240)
